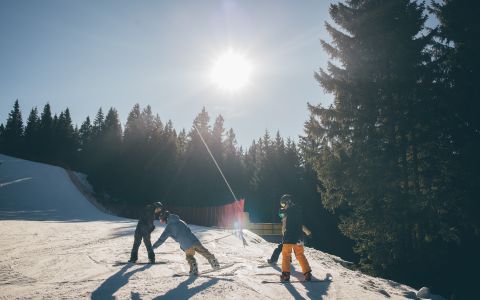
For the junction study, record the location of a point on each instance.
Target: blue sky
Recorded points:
(89, 54)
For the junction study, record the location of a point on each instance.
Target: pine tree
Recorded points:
(457, 56)
(45, 133)
(13, 132)
(133, 128)
(32, 134)
(374, 142)
(112, 130)
(98, 124)
(2, 137)
(85, 133)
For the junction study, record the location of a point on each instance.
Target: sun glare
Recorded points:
(231, 71)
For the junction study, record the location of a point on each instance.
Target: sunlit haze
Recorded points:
(231, 71)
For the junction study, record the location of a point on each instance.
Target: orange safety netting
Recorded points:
(225, 216)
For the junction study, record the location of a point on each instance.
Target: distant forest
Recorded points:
(393, 163)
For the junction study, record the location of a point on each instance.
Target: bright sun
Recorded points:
(231, 71)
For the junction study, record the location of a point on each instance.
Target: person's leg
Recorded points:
(148, 245)
(299, 254)
(276, 254)
(189, 254)
(209, 256)
(136, 244)
(286, 259)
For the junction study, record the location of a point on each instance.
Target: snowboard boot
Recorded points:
(151, 260)
(308, 276)
(214, 263)
(271, 261)
(132, 260)
(285, 276)
(193, 269)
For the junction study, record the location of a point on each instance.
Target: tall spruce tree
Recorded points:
(456, 88)
(375, 158)
(13, 133)
(31, 134)
(457, 56)
(45, 134)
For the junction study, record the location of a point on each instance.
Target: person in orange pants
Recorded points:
(292, 237)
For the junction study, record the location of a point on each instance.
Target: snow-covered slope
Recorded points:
(56, 245)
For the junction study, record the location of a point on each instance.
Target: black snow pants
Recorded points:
(276, 253)
(142, 233)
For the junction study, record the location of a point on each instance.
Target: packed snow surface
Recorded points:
(56, 245)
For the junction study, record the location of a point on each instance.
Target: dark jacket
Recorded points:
(292, 224)
(179, 231)
(145, 221)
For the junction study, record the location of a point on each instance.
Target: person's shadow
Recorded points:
(115, 282)
(183, 292)
(314, 290)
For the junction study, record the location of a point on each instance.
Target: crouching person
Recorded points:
(189, 243)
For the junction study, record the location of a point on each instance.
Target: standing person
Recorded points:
(278, 250)
(181, 233)
(144, 229)
(292, 238)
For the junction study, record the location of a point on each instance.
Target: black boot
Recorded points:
(132, 260)
(308, 276)
(271, 261)
(285, 276)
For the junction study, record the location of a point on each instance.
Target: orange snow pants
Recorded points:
(286, 257)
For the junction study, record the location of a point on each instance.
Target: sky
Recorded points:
(90, 54)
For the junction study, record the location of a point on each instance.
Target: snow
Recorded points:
(55, 244)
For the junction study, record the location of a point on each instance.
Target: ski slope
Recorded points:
(56, 245)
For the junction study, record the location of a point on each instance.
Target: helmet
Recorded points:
(286, 199)
(158, 205)
(164, 214)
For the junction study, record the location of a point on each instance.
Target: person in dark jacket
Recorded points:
(144, 229)
(278, 250)
(292, 238)
(181, 233)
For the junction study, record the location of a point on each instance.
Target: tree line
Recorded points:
(148, 160)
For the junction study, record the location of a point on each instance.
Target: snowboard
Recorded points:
(327, 278)
(120, 263)
(295, 281)
(222, 266)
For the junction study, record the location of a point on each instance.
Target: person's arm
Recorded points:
(165, 234)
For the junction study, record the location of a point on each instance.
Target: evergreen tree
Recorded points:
(98, 124)
(2, 137)
(45, 133)
(85, 133)
(456, 89)
(374, 155)
(32, 134)
(13, 132)
(112, 130)
(133, 128)
(459, 70)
